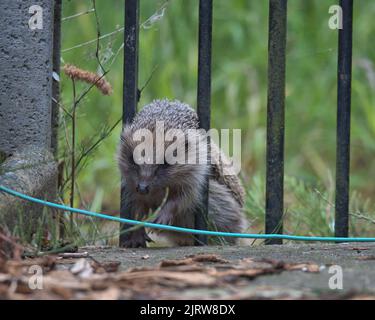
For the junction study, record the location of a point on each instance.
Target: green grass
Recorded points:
(239, 91)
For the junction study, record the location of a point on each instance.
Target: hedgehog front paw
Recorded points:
(135, 239)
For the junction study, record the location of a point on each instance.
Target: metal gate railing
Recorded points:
(275, 105)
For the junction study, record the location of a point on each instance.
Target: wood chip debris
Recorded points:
(86, 278)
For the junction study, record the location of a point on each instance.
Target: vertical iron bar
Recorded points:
(275, 118)
(343, 120)
(56, 98)
(56, 69)
(130, 92)
(204, 99)
(130, 85)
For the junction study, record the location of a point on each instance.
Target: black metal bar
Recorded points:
(56, 82)
(275, 118)
(343, 120)
(130, 86)
(130, 92)
(56, 99)
(204, 98)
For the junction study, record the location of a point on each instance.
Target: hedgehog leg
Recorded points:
(225, 213)
(136, 238)
(173, 214)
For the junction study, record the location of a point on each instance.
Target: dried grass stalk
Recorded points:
(76, 73)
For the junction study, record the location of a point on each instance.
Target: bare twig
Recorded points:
(72, 164)
(147, 81)
(94, 40)
(74, 255)
(145, 25)
(65, 111)
(86, 91)
(78, 14)
(91, 148)
(363, 217)
(97, 37)
(97, 143)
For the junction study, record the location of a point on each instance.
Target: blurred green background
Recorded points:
(168, 42)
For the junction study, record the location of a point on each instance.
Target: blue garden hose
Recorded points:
(180, 229)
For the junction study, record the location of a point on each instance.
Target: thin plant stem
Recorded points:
(72, 154)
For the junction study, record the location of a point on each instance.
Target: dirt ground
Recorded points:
(259, 272)
(356, 260)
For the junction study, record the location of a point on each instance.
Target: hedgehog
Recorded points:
(171, 193)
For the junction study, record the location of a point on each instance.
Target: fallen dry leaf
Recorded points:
(306, 267)
(82, 268)
(192, 259)
(111, 266)
(177, 262)
(207, 258)
(366, 258)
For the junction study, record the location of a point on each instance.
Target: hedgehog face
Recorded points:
(149, 173)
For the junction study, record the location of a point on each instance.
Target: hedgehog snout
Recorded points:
(143, 188)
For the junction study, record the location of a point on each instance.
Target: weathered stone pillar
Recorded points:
(26, 48)
(26, 73)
